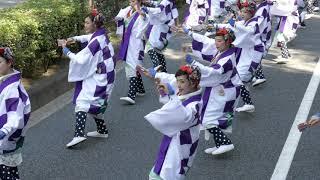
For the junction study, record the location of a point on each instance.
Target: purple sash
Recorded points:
(126, 38)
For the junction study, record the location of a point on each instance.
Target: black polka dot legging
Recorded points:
(259, 73)
(7, 172)
(284, 50)
(219, 137)
(81, 118)
(245, 95)
(133, 87)
(140, 88)
(101, 126)
(158, 59)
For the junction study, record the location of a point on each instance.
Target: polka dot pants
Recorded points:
(245, 95)
(7, 172)
(140, 84)
(219, 137)
(259, 73)
(81, 118)
(310, 6)
(284, 50)
(133, 87)
(158, 59)
(101, 126)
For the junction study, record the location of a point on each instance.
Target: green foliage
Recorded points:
(31, 30)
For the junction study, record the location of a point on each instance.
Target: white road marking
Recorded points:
(284, 162)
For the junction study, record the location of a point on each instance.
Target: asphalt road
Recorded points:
(130, 150)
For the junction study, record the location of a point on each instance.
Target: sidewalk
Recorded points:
(9, 3)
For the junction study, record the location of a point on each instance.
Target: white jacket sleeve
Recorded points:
(171, 118)
(211, 77)
(15, 118)
(83, 38)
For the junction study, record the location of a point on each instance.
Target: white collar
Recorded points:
(187, 96)
(3, 78)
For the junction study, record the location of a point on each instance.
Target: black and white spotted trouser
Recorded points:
(7, 172)
(140, 88)
(284, 50)
(81, 118)
(259, 73)
(158, 59)
(310, 6)
(245, 95)
(219, 137)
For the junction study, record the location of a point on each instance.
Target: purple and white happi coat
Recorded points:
(93, 71)
(14, 113)
(203, 47)
(263, 11)
(197, 14)
(222, 88)
(287, 12)
(181, 133)
(249, 44)
(161, 18)
(132, 27)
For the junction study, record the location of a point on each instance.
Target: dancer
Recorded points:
(132, 23)
(222, 88)
(181, 95)
(14, 116)
(93, 71)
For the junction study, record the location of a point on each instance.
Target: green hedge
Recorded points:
(31, 29)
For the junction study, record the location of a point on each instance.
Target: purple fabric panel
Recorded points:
(94, 109)
(207, 57)
(110, 77)
(185, 137)
(193, 148)
(126, 38)
(102, 67)
(12, 79)
(98, 32)
(205, 99)
(196, 45)
(227, 84)
(229, 106)
(77, 91)
(100, 91)
(94, 47)
(12, 104)
(184, 164)
(166, 140)
(22, 95)
(191, 99)
(106, 53)
(228, 66)
(3, 120)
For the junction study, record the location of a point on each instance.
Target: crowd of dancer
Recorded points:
(229, 40)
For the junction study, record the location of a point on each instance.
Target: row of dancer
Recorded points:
(206, 95)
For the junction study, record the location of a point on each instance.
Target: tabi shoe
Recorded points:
(128, 100)
(210, 150)
(254, 79)
(96, 134)
(308, 16)
(258, 82)
(76, 140)
(223, 149)
(140, 94)
(246, 108)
